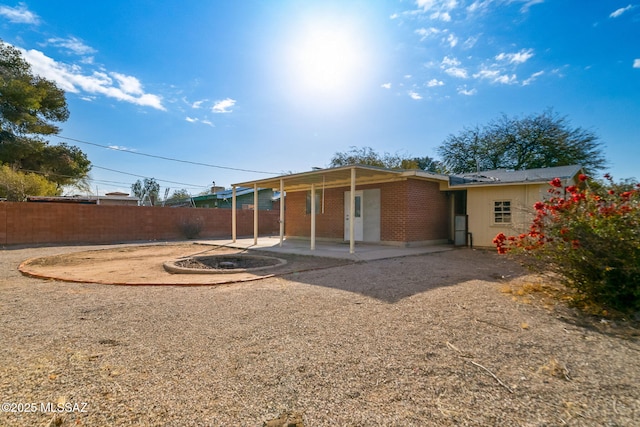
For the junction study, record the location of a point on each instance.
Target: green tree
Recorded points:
(15, 186)
(369, 157)
(534, 141)
(147, 189)
(178, 195)
(28, 106)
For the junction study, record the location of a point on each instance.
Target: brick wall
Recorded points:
(33, 223)
(410, 211)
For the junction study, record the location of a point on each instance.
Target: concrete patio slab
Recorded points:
(363, 251)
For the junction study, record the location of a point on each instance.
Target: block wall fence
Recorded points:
(36, 223)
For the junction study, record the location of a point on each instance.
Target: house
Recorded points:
(244, 199)
(501, 201)
(116, 198)
(406, 207)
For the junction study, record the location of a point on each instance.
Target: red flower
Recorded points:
(611, 192)
(572, 189)
(582, 177)
(556, 182)
(539, 206)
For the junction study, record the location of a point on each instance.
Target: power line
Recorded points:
(163, 157)
(142, 176)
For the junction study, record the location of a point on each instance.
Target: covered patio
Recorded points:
(319, 180)
(366, 251)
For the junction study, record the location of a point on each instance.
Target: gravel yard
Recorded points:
(449, 338)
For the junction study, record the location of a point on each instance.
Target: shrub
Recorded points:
(590, 238)
(191, 228)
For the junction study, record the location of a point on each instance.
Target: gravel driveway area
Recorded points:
(456, 338)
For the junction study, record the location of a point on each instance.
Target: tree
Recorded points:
(178, 195)
(534, 141)
(149, 188)
(369, 157)
(15, 186)
(28, 106)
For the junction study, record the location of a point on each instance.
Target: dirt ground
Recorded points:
(462, 337)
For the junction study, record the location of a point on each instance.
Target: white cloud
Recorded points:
(414, 95)
(620, 11)
(223, 106)
(495, 76)
(197, 104)
(533, 76)
(529, 3)
(636, 63)
(19, 14)
(451, 62)
(434, 83)
(516, 58)
(386, 85)
(394, 16)
(438, 9)
(424, 33)
(466, 92)
(451, 67)
(452, 40)
(70, 78)
(72, 44)
(470, 42)
(407, 76)
(195, 120)
(122, 148)
(460, 73)
(128, 84)
(479, 5)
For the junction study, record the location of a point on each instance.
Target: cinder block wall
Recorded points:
(33, 223)
(410, 211)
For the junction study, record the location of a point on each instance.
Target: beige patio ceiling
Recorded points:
(333, 177)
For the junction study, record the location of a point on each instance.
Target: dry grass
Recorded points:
(434, 340)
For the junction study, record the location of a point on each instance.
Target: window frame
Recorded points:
(502, 212)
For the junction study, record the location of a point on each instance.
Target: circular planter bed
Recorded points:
(222, 264)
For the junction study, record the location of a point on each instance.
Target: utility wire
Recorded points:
(142, 176)
(162, 157)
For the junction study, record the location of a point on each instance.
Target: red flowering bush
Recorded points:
(590, 238)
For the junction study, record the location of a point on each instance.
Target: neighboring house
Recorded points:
(409, 207)
(108, 199)
(244, 199)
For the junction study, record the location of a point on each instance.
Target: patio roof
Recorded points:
(339, 177)
(343, 176)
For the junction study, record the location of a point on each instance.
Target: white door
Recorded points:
(358, 227)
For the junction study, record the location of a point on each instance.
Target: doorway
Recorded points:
(358, 223)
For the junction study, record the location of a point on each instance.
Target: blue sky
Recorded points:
(235, 89)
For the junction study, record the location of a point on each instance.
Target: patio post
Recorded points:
(281, 211)
(313, 217)
(233, 214)
(352, 211)
(255, 214)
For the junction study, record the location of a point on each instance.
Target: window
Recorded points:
(318, 200)
(502, 212)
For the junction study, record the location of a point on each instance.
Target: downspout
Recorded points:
(255, 214)
(281, 211)
(313, 217)
(233, 215)
(352, 212)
